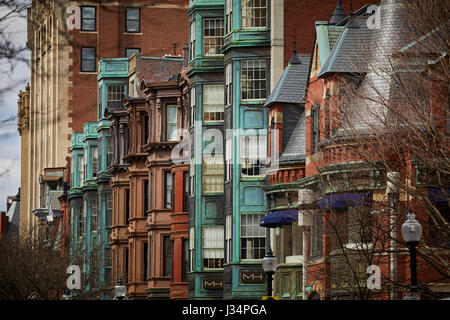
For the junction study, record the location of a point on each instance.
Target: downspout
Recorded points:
(392, 190)
(305, 200)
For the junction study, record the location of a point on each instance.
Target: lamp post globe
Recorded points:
(412, 232)
(269, 264)
(120, 290)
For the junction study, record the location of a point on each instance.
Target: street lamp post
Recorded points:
(120, 290)
(269, 264)
(412, 232)
(67, 295)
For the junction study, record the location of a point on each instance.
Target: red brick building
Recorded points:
(353, 218)
(151, 28)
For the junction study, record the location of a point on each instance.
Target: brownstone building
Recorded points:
(180, 208)
(166, 115)
(130, 131)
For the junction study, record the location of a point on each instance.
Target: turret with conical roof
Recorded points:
(375, 90)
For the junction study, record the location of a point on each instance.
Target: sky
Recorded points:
(15, 79)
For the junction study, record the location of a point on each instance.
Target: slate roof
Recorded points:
(350, 53)
(295, 149)
(291, 87)
(369, 110)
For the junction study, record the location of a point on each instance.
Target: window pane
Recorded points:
(252, 237)
(254, 13)
(88, 12)
(132, 13)
(172, 123)
(213, 102)
(130, 52)
(87, 53)
(168, 193)
(88, 60)
(88, 22)
(88, 25)
(212, 36)
(253, 79)
(213, 247)
(133, 20)
(133, 26)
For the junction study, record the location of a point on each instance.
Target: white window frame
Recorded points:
(192, 30)
(213, 98)
(252, 231)
(248, 14)
(212, 174)
(228, 157)
(80, 170)
(94, 156)
(94, 215)
(171, 134)
(229, 84)
(228, 237)
(191, 249)
(229, 16)
(192, 106)
(215, 42)
(253, 150)
(255, 86)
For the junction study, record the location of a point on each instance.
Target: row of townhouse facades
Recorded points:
(183, 170)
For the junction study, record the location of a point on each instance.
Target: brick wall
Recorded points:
(300, 15)
(163, 23)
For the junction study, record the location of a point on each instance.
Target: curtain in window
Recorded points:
(213, 99)
(212, 175)
(213, 246)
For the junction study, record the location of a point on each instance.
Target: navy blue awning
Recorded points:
(438, 195)
(278, 218)
(343, 200)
